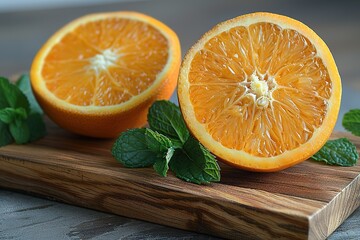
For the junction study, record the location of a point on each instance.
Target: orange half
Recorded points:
(98, 75)
(260, 91)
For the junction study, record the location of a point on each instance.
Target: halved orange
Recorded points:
(98, 75)
(260, 91)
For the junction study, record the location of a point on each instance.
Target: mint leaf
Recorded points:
(132, 151)
(15, 121)
(20, 131)
(157, 142)
(165, 118)
(167, 144)
(12, 96)
(162, 147)
(339, 152)
(5, 136)
(37, 126)
(161, 165)
(8, 115)
(142, 148)
(23, 83)
(194, 163)
(351, 121)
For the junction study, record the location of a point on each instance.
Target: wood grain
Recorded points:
(308, 201)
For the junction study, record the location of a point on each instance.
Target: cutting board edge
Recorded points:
(335, 212)
(161, 183)
(199, 221)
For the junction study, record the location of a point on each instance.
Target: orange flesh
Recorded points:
(252, 86)
(105, 62)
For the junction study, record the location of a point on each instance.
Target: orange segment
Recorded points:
(106, 66)
(261, 91)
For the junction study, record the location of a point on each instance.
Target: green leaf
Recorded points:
(5, 136)
(351, 121)
(37, 126)
(16, 122)
(194, 163)
(157, 142)
(165, 118)
(23, 83)
(162, 147)
(132, 151)
(12, 96)
(8, 115)
(161, 165)
(167, 144)
(339, 152)
(20, 131)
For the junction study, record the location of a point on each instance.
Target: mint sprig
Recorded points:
(340, 152)
(167, 144)
(19, 121)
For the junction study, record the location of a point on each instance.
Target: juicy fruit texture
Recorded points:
(261, 91)
(98, 75)
(255, 87)
(108, 67)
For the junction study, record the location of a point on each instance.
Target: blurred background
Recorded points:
(26, 24)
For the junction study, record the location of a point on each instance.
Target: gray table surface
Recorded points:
(22, 34)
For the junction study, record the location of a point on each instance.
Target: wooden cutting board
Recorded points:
(308, 201)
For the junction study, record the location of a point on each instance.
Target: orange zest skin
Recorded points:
(98, 75)
(260, 91)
